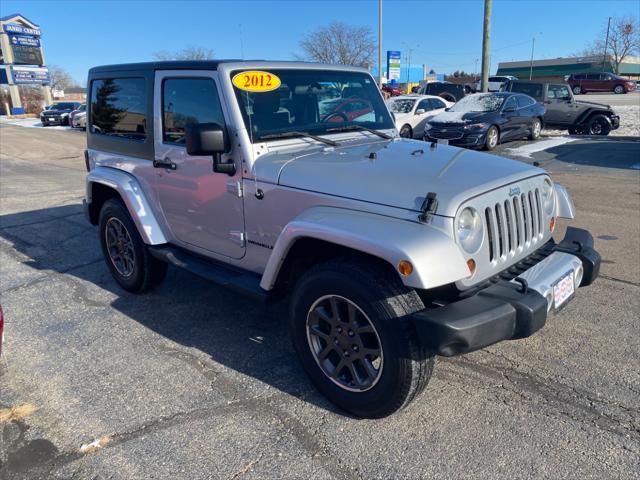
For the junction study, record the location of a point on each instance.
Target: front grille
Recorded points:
(513, 224)
(448, 133)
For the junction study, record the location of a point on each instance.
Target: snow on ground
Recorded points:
(31, 123)
(528, 149)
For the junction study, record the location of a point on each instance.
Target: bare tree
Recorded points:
(340, 43)
(624, 40)
(188, 53)
(60, 78)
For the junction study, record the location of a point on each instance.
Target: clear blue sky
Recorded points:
(446, 35)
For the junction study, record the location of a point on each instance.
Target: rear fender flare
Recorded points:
(132, 194)
(435, 257)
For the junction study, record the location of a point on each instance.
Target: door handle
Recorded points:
(165, 163)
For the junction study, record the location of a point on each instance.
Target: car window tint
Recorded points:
(532, 89)
(435, 104)
(424, 105)
(510, 103)
(579, 76)
(118, 107)
(593, 76)
(524, 101)
(559, 92)
(188, 101)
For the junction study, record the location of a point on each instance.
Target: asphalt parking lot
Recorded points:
(190, 381)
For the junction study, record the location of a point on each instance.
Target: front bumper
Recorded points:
(473, 138)
(508, 310)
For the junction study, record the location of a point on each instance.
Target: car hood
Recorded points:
(594, 104)
(460, 117)
(396, 173)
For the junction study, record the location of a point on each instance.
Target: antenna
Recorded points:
(241, 44)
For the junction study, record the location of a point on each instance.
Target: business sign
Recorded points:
(24, 40)
(393, 65)
(30, 75)
(20, 30)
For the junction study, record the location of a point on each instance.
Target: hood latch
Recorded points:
(429, 207)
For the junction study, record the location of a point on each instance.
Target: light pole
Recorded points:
(380, 45)
(604, 57)
(533, 46)
(486, 35)
(409, 52)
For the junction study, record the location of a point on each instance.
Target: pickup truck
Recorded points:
(451, 92)
(563, 111)
(390, 251)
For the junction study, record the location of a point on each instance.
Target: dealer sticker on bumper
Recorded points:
(563, 290)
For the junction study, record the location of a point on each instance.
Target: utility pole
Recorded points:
(486, 34)
(606, 42)
(533, 45)
(380, 45)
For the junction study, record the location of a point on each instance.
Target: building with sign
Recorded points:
(21, 61)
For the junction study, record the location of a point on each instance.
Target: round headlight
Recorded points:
(548, 197)
(469, 230)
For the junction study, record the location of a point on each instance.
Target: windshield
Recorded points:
(401, 105)
(63, 106)
(478, 103)
(313, 101)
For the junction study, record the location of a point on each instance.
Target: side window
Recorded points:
(524, 101)
(424, 105)
(187, 101)
(593, 76)
(510, 103)
(118, 108)
(435, 104)
(559, 92)
(494, 79)
(579, 76)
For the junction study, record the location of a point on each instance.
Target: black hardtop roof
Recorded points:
(162, 65)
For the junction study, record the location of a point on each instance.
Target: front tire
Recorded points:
(124, 252)
(350, 327)
(536, 127)
(599, 125)
(619, 89)
(406, 132)
(492, 138)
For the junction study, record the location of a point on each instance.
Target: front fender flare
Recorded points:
(134, 199)
(435, 257)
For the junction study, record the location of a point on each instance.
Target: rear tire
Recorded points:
(492, 138)
(599, 125)
(577, 90)
(126, 255)
(406, 132)
(349, 320)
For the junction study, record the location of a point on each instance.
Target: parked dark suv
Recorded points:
(599, 82)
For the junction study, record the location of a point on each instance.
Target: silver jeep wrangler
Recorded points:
(281, 178)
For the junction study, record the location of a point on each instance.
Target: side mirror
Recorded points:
(209, 139)
(420, 111)
(447, 109)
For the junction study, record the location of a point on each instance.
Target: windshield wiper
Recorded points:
(349, 128)
(299, 134)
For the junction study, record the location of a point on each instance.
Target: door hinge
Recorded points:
(235, 187)
(237, 237)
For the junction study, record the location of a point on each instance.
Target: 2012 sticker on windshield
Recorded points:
(256, 81)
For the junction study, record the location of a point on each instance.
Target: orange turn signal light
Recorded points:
(471, 265)
(552, 224)
(405, 268)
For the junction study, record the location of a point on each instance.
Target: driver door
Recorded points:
(203, 209)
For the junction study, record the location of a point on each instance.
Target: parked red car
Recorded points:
(393, 91)
(599, 82)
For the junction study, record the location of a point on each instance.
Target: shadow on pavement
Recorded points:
(246, 336)
(606, 152)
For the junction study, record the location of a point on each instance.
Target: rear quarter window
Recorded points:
(532, 89)
(118, 108)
